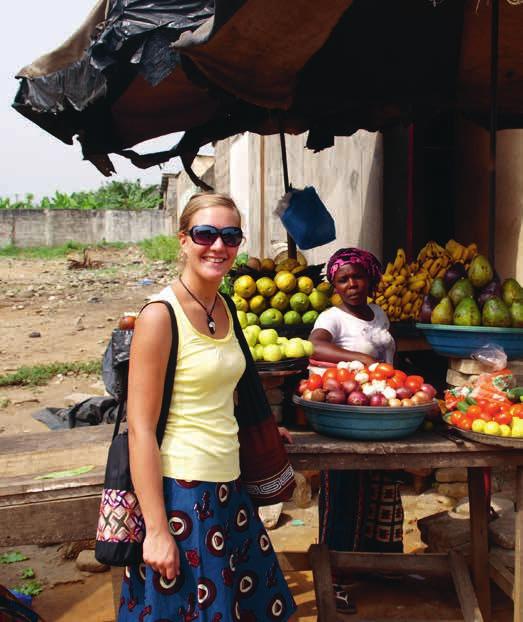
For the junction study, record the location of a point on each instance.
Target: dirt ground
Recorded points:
(74, 312)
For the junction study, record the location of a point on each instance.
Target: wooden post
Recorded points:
(479, 539)
(322, 575)
(518, 561)
(291, 244)
(464, 588)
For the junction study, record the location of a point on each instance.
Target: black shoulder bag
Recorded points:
(121, 526)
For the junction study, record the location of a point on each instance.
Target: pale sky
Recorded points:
(31, 160)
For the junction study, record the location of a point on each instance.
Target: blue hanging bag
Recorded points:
(306, 218)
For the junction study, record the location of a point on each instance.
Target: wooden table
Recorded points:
(67, 508)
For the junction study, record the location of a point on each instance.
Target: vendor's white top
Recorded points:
(370, 337)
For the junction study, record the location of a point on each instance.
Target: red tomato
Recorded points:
(516, 410)
(386, 369)
(465, 424)
(503, 418)
(481, 402)
(486, 416)
(304, 384)
(395, 382)
(456, 417)
(314, 381)
(377, 375)
(401, 375)
(414, 383)
(330, 373)
(474, 411)
(343, 374)
(492, 408)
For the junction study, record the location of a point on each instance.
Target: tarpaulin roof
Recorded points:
(138, 69)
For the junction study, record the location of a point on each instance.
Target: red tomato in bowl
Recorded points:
(414, 383)
(386, 369)
(516, 410)
(330, 373)
(456, 417)
(343, 374)
(314, 381)
(377, 375)
(503, 418)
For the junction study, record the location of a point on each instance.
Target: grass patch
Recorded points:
(54, 252)
(162, 247)
(41, 374)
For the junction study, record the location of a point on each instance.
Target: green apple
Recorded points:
(308, 347)
(272, 353)
(253, 353)
(253, 329)
(250, 336)
(242, 318)
(294, 349)
(291, 318)
(309, 317)
(271, 317)
(318, 300)
(252, 319)
(258, 348)
(268, 336)
(281, 341)
(492, 427)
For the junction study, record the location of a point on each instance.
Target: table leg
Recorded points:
(116, 579)
(479, 539)
(518, 561)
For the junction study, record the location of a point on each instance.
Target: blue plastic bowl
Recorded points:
(364, 423)
(461, 341)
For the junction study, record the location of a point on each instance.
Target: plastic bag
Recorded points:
(491, 356)
(306, 218)
(493, 386)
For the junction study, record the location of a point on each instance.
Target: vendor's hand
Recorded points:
(160, 552)
(285, 434)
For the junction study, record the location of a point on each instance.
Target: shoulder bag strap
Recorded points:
(168, 383)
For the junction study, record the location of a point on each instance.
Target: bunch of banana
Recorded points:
(434, 259)
(402, 287)
(461, 253)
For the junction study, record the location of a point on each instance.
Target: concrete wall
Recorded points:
(54, 227)
(348, 178)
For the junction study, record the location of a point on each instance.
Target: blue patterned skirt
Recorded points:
(228, 569)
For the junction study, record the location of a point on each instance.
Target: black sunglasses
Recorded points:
(206, 235)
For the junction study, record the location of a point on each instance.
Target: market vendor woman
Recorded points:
(358, 510)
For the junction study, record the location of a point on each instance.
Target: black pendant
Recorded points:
(211, 324)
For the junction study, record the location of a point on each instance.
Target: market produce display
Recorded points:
(490, 406)
(266, 345)
(380, 384)
(288, 293)
(402, 287)
(473, 296)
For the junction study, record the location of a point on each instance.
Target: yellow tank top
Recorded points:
(201, 436)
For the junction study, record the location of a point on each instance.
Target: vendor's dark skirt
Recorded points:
(361, 511)
(229, 571)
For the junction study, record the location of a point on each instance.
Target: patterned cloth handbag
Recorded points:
(265, 468)
(121, 526)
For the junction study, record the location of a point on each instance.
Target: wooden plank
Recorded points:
(430, 564)
(479, 539)
(501, 575)
(322, 574)
(294, 561)
(34, 454)
(464, 589)
(518, 561)
(19, 490)
(50, 522)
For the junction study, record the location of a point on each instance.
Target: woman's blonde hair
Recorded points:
(197, 202)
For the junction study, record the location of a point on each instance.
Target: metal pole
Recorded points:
(494, 35)
(291, 244)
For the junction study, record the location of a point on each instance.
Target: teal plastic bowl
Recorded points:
(364, 423)
(461, 341)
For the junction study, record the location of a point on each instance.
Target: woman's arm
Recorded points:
(150, 349)
(326, 350)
